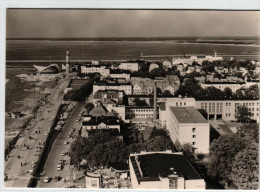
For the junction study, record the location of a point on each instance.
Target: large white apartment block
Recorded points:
(95, 69)
(163, 170)
(129, 66)
(187, 125)
(227, 109)
(127, 88)
(125, 76)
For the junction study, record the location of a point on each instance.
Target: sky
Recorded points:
(67, 23)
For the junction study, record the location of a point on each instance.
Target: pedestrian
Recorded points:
(21, 164)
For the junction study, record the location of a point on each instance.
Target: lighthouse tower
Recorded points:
(68, 62)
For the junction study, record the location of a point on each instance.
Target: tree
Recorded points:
(214, 93)
(252, 92)
(245, 168)
(139, 102)
(159, 140)
(78, 150)
(243, 114)
(250, 130)
(89, 107)
(157, 72)
(158, 143)
(228, 93)
(188, 151)
(222, 153)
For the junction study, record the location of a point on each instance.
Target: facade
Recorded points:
(220, 85)
(115, 95)
(102, 70)
(129, 66)
(227, 109)
(163, 170)
(187, 125)
(145, 86)
(146, 98)
(125, 76)
(162, 113)
(199, 60)
(138, 112)
(100, 123)
(125, 87)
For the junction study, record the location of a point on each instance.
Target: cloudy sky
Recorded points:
(22, 23)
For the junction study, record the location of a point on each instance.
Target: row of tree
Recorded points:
(102, 149)
(191, 88)
(80, 94)
(234, 158)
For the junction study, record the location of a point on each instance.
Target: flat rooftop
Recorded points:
(158, 165)
(188, 115)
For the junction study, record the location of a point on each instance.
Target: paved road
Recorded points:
(18, 175)
(50, 168)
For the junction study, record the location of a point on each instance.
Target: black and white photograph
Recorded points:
(132, 99)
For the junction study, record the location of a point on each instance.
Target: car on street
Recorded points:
(57, 178)
(63, 153)
(46, 180)
(59, 167)
(66, 142)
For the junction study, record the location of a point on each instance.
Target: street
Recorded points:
(18, 169)
(50, 168)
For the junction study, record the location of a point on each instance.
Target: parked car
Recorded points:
(59, 167)
(46, 180)
(66, 142)
(57, 178)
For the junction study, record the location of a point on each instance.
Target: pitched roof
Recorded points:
(100, 110)
(99, 120)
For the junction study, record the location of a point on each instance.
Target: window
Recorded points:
(193, 129)
(193, 136)
(184, 103)
(193, 143)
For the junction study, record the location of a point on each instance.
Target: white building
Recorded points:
(129, 66)
(233, 86)
(125, 76)
(163, 170)
(187, 125)
(138, 112)
(126, 87)
(227, 109)
(153, 66)
(102, 70)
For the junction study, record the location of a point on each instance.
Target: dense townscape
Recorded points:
(186, 122)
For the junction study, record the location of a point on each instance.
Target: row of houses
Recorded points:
(139, 86)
